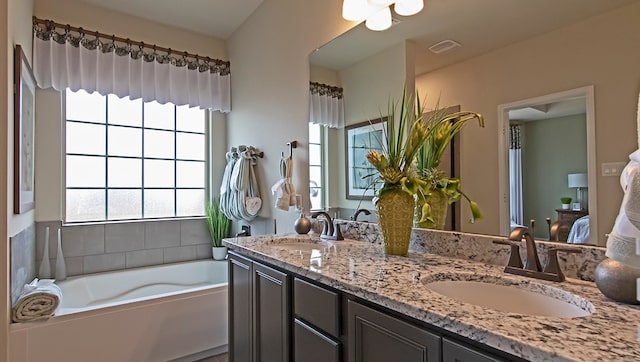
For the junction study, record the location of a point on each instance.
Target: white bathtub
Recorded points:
(163, 313)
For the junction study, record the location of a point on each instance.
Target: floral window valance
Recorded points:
(326, 106)
(69, 57)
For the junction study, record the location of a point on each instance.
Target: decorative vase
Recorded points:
(617, 281)
(302, 225)
(439, 203)
(44, 272)
(61, 266)
(395, 219)
(219, 252)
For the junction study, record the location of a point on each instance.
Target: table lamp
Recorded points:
(578, 181)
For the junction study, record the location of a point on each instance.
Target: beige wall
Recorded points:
(598, 51)
(16, 14)
(270, 88)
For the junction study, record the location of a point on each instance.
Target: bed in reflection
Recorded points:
(579, 233)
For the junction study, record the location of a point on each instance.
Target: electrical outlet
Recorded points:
(612, 168)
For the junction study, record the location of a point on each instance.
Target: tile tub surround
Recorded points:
(362, 269)
(92, 248)
(481, 248)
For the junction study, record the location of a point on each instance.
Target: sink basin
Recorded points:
(302, 245)
(510, 296)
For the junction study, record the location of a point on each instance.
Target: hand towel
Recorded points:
(622, 249)
(38, 300)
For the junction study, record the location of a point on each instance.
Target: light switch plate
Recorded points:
(612, 168)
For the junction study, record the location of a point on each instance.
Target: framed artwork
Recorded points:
(23, 134)
(359, 140)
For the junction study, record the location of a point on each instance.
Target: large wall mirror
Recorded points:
(535, 49)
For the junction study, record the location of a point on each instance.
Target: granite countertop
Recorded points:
(362, 269)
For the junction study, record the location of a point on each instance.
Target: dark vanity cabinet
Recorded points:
(279, 316)
(259, 312)
(377, 337)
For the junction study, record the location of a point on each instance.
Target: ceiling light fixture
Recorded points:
(377, 13)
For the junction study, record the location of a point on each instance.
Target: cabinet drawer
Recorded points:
(312, 346)
(453, 351)
(318, 306)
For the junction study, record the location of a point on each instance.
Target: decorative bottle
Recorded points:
(61, 267)
(45, 265)
(302, 225)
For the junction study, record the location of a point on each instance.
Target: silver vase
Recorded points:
(617, 281)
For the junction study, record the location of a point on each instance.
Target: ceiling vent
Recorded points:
(444, 46)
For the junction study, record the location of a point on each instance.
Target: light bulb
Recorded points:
(408, 7)
(380, 20)
(380, 3)
(355, 10)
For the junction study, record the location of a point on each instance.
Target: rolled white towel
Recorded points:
(39, 300)
(622, 249)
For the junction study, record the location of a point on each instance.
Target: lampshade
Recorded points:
(408, 7)
(379, 21)
(577, 180)
(355, 10)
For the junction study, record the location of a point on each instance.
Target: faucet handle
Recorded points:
(553, 266)
(515, 260)
(337, 233)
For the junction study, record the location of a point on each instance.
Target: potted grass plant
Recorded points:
(439, 191)
(219, 226)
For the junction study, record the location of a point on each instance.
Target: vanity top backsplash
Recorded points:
(480, 248)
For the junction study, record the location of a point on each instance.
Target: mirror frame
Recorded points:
(587, 93)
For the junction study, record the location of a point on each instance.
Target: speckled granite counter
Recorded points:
(362, 269)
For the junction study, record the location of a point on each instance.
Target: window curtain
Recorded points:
(515, 176)
(76, 60)
(326, 107)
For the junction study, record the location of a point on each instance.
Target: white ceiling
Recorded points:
(218, 18)
(479, 25)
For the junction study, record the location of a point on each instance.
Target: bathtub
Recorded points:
(173, 312)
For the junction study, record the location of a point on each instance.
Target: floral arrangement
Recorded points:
(443, 128)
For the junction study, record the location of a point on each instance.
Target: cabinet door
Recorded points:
(309, 345)
(453, 351)
(240, 309)
(271, 314)
(377, 337)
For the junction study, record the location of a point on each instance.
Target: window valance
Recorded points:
(326, 106)
(68, 57)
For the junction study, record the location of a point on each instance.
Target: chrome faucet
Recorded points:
(329, 231)
(532, 268)
(355, 215)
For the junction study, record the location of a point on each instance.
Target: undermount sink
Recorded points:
(510, 296)
(304, 246)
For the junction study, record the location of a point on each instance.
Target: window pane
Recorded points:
(159, 144)
(124, 172)
(158, 203)
(190, 119)
(82, 106)
(124, 204)
(158, 173)
(190, 146)
(316, 198)
(85, 138)
(125, 111)
(314, 133)
(190, 202)
(315, 154)
(85, 171)
(158, 115)
(315, 176)
(190, 174)
(85, 205)
(125, 141)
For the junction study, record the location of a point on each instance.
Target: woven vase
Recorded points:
(395, 219)
(439, 203)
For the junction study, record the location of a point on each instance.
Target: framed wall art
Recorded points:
(24, 134)
(359, 140)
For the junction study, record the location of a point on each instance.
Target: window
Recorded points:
(316, 177)
(127, 160)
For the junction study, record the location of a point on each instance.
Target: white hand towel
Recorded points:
(39, 300)
(622, 249)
